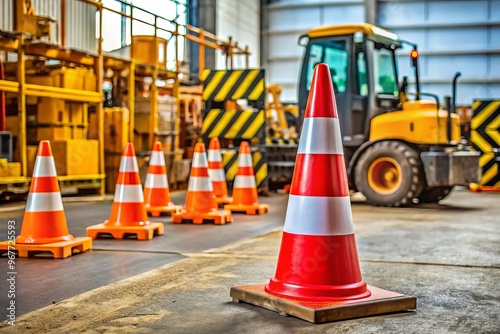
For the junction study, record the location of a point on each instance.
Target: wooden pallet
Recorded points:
(146, 232)
(380, 302)
(60, 250)
(254, 209)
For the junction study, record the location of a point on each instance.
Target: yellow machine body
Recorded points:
(419, 122)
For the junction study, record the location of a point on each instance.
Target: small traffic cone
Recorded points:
(200, 199)
(317, 276)
(44, 227)
(156, 193)
(245, 198)
(216, 173)
(128, 214)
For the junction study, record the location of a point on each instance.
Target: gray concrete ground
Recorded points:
(446, 255)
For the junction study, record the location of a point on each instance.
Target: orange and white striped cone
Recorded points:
(200, 203)
(44, 227)
(128, 214)
(216, 172)
(318, 266)
(245, 198)
(156, 192)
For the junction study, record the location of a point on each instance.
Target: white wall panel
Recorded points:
(343, 14)
(444, 67)
(400, 13)
(293, 18)
(453, 39)
(284, 45)
(241, 21)
(453, 12)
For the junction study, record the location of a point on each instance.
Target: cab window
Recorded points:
(334, 54)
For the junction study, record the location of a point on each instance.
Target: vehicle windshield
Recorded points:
(384, 72)
(334, 53)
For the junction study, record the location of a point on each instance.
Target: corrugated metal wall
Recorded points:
(80, 21)
(241, 21)
(453, 35)
(285, 21)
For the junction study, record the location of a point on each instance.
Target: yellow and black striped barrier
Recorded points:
(230, 163)
(233, 124)
(485, 137)
(223, 85)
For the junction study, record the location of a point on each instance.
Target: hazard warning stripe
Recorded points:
(222, 85)
(490, 172)
(485, 113)
(232, 124)
(230, 163)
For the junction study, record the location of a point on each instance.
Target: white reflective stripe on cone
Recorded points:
(217, 175)
(245, 160)
(44, 166)
(157, 159)
(244, 181)
(40, 202)
(316, 215)
(156, 181)
(214, 155)
(321, 135)
(200, 160)
(200, 183)
(129, 193)
(129, 164)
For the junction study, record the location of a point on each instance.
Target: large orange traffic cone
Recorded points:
(318, 266)
(245, 198)
(200, 199)
(44, 227)
(156, 192)
(216, 172)
(128, 214)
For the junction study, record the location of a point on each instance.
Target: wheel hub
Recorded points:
(384, 175)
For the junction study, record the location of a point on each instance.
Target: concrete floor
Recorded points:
(446, 255)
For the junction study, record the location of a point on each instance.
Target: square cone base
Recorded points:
(156, 211)
(252, 209)
(224, 200)
(146, 232)
(60, 250)
(380, 302)
(220, 217)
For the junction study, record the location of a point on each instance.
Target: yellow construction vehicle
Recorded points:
(281, 119)
(399, 149)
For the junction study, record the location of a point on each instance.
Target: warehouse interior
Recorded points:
(285, 166)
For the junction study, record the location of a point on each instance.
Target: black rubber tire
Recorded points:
(409, 162)
(434, 195)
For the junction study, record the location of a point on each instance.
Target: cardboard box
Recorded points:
(76, 157)
(50, 111)
(53, 133)
(64, 77)
(93, 126)
(76, 111)
(12, 125)
(141, 123)
(116, 129)
(14, 169)
(4, 169)
(31, 151)
(79, 132)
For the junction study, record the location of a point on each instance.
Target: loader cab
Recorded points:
(364, 74)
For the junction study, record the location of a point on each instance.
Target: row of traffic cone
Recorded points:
(45, 228)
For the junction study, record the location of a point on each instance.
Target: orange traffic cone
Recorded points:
(216, 172)
(245, 197)
(200, 199)
(156, 193)
(44, 227)
(128, 214)
(317, 276)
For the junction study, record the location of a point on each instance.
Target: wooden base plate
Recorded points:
(156, 211)
(146, 232)
(219, 217)
(380, 302)
(60, 250)
(254, 209)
